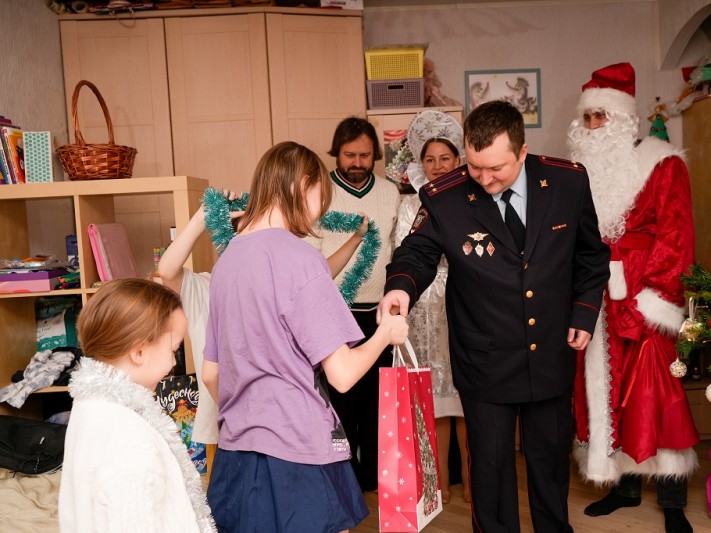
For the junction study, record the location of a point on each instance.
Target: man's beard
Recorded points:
(355, 175)
(609, 156)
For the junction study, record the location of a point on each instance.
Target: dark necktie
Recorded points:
(513, 222)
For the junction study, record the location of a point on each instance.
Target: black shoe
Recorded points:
(611, 503)
(676, 522)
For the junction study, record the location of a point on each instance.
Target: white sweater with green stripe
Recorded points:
(379, 199)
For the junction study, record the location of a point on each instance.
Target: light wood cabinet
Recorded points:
(128, 65)
(316, 76)
(207, 91)
(219, 96)
(697, 143)
(75, 205)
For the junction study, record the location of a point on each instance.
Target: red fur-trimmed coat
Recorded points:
(632, 415)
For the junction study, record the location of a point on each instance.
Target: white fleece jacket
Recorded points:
(125, 467)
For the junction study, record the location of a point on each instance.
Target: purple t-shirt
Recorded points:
(275, 314)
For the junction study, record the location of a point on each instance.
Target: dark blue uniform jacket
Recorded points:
(509, 312)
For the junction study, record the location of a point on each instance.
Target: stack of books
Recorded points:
(25, 156)
(12, 153)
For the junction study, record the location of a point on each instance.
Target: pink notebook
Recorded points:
(112, 252)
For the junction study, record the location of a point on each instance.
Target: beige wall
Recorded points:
(32, 93)
(567, 41)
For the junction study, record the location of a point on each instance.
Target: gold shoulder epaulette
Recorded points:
(447, 181)
(564, 163)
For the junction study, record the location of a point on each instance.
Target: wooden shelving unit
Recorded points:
(74, 205)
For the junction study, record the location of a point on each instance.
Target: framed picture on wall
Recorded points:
(520, 87)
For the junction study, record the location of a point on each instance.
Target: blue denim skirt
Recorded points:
(250, 492)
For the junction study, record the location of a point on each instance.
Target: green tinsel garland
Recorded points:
(354, 277)
(219, 226)
(217, 216)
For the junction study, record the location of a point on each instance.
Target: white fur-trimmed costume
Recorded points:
(605, 98)
(632, 415)
(125, 466)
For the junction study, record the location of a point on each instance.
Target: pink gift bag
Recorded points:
(409, 494)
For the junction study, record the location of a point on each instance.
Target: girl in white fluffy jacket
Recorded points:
(125, 467)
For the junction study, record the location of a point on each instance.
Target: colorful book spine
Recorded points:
(5, 175)
(4, 167)
(14, 151)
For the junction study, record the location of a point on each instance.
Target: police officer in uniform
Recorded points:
(527, 269)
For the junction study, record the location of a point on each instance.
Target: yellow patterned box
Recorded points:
(394, 62)
(38, 156)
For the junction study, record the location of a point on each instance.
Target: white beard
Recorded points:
(609, 156)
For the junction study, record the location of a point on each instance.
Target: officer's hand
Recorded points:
(578, 339)
(394, 302)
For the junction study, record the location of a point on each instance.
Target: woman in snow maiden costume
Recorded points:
(435, 141)
(125, 467)
(633, 418)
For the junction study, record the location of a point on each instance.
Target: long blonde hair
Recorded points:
(283, 175)
(125, 314)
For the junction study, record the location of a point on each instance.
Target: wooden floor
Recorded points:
(647, 518)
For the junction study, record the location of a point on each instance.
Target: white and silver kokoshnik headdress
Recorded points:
(425, 126)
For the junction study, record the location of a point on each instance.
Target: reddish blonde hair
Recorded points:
(124, 314)
(283, 175)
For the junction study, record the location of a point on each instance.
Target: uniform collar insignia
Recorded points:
(544, 183)
(472, 197)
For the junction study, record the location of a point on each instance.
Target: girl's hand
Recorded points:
(363, 228)
(231, 196)
(396, 327)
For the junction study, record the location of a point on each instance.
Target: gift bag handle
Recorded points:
(398, 350)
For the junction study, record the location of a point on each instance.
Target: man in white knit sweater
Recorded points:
(357, 190)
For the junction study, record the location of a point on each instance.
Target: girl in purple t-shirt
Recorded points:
(278, 332)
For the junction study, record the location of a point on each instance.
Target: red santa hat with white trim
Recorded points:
(611, 88)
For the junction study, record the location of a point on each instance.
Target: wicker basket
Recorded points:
(83, 161)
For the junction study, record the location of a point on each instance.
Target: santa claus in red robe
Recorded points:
(633, 418)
